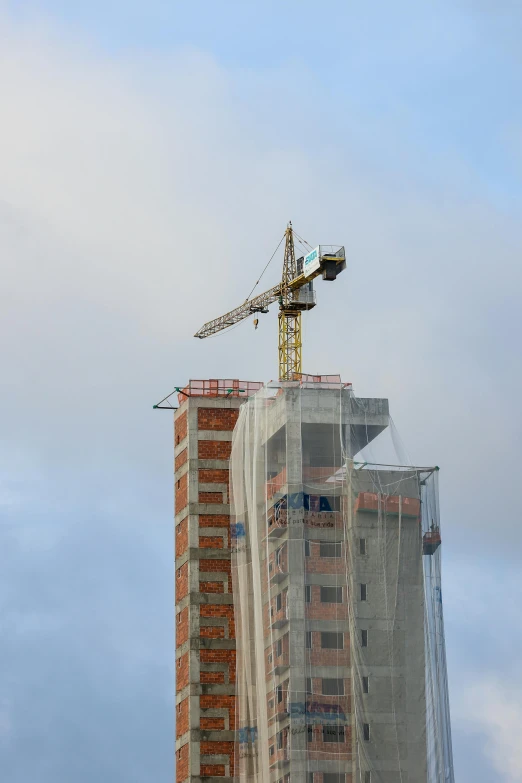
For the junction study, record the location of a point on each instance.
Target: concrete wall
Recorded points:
(392, 614)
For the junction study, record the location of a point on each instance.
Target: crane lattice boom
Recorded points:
(294, 293)
(255, 305)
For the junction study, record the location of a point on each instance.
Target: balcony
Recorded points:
(387, 504)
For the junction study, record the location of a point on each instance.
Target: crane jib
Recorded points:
(325, 260)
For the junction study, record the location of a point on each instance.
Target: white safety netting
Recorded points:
(341, 671)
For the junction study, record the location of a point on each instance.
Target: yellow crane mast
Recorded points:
(294, 293)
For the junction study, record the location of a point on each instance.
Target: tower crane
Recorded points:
(295, 293)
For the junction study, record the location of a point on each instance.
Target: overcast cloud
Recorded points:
(151, 156)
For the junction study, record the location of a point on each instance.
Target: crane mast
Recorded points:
(290, 344)
(294, 293)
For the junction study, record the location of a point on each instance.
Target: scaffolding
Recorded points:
(341, 670)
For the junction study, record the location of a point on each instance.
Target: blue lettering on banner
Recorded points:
(237, 530)
(317, 712)
(303, 500)
(295, 500)
(247, 734)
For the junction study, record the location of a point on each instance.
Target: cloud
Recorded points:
(141, 195)
(494, 709)
(477, 589)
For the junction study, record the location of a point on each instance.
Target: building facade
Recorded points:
(205, 633)
(304, 637)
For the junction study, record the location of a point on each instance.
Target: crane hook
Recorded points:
(256, 321)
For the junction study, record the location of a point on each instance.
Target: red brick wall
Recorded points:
(213, 770)
(182, 582)
(182, 763)
(211, 497)
(180, 427)
(214, 449)
(215, 678)
(182, 627)
(281, 753)
(273, 705)
(316, 610)
(181, 492)
(324, 565)
(211, 587)
(217, 419)
(280, 567)
(221, 656)
(223, 566)
(277, 660)
(182, 718)
(217, 702)
(211, 542)
(214, 520)
(220, 610)
(319, 657)
(182, 672)
(210, 476)
(181, 537)
(219, 748)
(317, 749)
(212, 724)
(180, 459)
(212, 632)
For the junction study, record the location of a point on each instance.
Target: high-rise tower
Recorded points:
(324, 582)
(205, 634)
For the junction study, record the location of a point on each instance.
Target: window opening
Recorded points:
(333, 687)
(331, 640)
(330, 549)
(331, 595)
(333, 733)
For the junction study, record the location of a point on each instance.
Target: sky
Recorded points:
(151, 156)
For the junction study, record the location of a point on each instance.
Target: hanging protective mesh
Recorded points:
(341, 672)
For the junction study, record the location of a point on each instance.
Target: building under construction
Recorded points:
(309, 629)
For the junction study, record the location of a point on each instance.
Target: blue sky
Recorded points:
(436, 67)
(151, 156)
